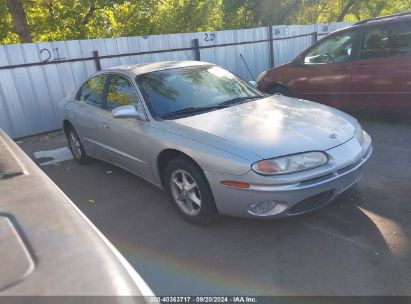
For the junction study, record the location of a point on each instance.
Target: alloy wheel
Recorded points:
(75, 145)
(186, 192)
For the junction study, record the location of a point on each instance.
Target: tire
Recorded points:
(76, 147)
(279, 90)
(185, 179)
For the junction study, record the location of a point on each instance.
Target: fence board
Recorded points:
(78, 68)
(42, 93)
(86, 47)
(4, 116)
(23, 83)
(123, 48)
(112, 49)
(53, 79)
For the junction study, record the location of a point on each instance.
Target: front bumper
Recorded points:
(294, 193)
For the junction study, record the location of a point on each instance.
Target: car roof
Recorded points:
(369, 23)
(394, 18)
(139, 69)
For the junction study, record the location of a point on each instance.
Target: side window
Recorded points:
(92, 91)
(121, 92)
(388, 41)
(332, 50)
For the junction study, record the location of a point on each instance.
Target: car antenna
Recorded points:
(246, 65)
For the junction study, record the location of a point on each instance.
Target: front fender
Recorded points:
(215, 156)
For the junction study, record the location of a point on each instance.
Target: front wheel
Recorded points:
(189, 192)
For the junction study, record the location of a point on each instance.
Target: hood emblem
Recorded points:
(333, 136)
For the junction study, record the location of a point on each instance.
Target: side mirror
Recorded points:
(298, 62)
(253, 83)
(128, 112)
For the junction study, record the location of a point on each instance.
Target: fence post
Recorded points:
(97, 60)
(196, 48)
(314, 37)
(271, 42)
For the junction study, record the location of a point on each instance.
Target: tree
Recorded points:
(48, 20)
(21, 26)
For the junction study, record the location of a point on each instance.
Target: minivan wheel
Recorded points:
(189, 192)
(279, 90)
(76, 147)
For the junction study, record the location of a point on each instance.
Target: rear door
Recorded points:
(126, 139)
(86, 113)
(382, 75)
(325, 75)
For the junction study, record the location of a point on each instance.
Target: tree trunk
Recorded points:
(345, 10)
(20, 24)
(89, 14)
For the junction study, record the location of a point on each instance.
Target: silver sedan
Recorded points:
(214, 142)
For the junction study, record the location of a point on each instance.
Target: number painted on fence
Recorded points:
(47, 55)
(280, 31)
(209, 37)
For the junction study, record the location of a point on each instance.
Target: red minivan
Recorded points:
(365, 66)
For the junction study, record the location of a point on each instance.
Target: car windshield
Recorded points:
(190, 90)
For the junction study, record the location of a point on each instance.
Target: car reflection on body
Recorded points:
(214, 142)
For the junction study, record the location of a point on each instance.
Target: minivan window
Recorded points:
(387, 41)
(121, 93)
(92, 91)
(332, 50)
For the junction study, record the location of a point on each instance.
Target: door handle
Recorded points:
(362, 66)
(344, 68)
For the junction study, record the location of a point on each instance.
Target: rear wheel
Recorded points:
(279, 90)
(76, 147)
(189, 192)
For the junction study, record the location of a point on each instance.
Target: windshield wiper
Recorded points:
(238, 100)
(222, 105)
(193, 110)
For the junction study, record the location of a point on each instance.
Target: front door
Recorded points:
(325, 75)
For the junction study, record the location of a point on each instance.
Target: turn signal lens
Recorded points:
(268, 166)
(235, 184)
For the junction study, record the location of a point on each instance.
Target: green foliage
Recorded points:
(82, 19)
(6, 26)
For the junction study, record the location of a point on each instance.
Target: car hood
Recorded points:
(276, 126)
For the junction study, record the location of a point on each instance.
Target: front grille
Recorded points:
(313, 202)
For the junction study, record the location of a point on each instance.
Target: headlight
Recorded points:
(261, 76)
(290, 164)
(359, 134)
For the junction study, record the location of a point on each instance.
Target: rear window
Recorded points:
(92, 91)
